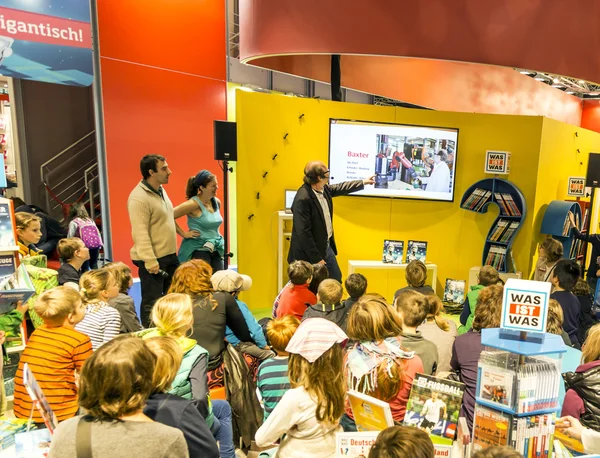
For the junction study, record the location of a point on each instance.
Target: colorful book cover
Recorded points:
(7, 235)
(370, 414)
(37, 396)
(434, 406)
(14, 288)
(496, 385)
(490, 428)
(8, 429)
(355, 445)
(7, 265)
(416, 251)
(33, 444)
(393, 251)
(454, 292)
(9, 370)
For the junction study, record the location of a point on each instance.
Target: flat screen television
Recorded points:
(413, 162)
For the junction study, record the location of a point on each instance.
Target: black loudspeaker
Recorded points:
(225, 141)
(592, 178)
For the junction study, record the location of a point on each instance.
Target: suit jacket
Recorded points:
(309, 231)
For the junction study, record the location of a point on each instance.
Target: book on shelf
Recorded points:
(433, 406)
(463, 438)
(355, 445)
(370, 414)
(531, 436)
(416, 251)
(507, 204)
(496, 257)
(477, 199)
(499, 229)
(522, 388)
(567, 447)
(14, 288)
(454, 291)
(393, 251)
(512, 228)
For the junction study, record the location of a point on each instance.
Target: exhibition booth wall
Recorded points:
(297, 130)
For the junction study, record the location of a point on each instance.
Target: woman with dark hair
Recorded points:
(203, 239)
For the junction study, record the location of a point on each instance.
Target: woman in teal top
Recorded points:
(203, 239)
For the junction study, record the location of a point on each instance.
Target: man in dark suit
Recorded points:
(312, 231)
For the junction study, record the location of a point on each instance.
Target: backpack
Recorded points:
(88, 233)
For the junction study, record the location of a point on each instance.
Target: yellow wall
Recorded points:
(361, 224)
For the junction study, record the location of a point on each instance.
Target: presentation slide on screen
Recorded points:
(408, 161)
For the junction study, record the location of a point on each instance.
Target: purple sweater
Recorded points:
(573, 404)
(465, 355)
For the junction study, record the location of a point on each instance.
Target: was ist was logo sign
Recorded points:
(525, 305)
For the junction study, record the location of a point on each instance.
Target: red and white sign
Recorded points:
(576, 186)
(525, 305)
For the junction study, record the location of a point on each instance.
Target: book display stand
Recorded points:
(511, 202)
(518, 381)
(556, 223)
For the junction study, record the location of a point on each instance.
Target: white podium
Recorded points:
(353, 265)
(282, 233)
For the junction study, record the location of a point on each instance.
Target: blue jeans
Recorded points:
(221, 429)
(348, 424)
(332, 265)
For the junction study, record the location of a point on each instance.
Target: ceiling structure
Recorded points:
(579, 88)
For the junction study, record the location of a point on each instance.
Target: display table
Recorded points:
(353, 265)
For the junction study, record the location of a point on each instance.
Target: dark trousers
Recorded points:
(154, 286)
(92, 263)
(213, 259)
(332, 265)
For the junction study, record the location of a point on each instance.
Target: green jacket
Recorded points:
(10, 322)
(472, 297)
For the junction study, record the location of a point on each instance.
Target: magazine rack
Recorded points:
(513, 365)
(497, 188)
(556, 223)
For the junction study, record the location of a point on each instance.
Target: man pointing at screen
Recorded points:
(312, 231)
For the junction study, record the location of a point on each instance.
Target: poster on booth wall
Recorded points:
(46, 40)
(525, 305)
(576, 186)
(497, 162)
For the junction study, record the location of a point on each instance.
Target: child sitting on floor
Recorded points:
(356, 287)
(564, 277)
(487, 276)
(273, 381)
(130, 322)
(440, 331)
(101, 322)
(416, 276)
(54, 353)
(329, 305)
(73, 253)
(412, 308)
(294, 297)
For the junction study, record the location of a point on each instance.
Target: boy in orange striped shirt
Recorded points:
(55, 353)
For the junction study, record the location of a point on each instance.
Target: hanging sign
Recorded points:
(576, 186)
(525, 305)
(497, 162)
(46, 40)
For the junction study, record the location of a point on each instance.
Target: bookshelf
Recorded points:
(517, 390)
(512, 211)
(556, 223)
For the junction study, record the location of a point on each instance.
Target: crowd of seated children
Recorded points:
(440, 331)
(55, 353)
(375, 330)
(213, 312)
(467, 347)
(416, 276)
(273, 379)
(114, 387)
(123, 302)
(565, 274)
(412, 308)
(101, 321)
(294, 297)
(73, 254)
(306, 419)
(232, 282)
(487, 276)
(356, 287)
(329, 305)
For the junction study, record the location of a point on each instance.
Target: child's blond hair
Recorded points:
(122, 274)
(173, 314)
(435, 307)
(24, 219)
(330, 292)
(92, 283)
(413, 307)
(591, 347)
(168, 355)
(281, 330)
(56, 304)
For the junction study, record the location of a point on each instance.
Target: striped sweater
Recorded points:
(101, 323)
(53, 355)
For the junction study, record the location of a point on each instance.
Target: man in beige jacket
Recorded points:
(153, 229)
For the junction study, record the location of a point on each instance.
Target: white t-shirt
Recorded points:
(432, 410)
(439, 181)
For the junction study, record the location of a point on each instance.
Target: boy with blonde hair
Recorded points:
(330, 304)
(74, 254)
(55, 353)
(273, 381)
